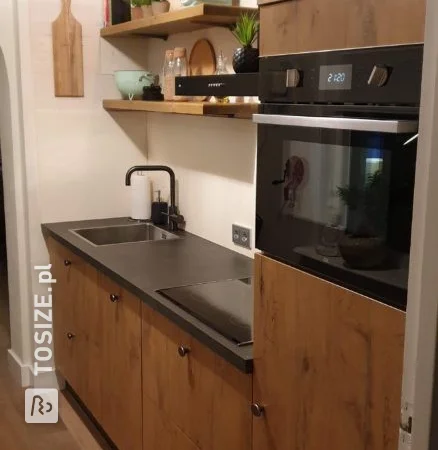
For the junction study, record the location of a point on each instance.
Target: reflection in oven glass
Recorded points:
(342, 194)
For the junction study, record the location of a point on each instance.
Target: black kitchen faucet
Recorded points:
(173, 217)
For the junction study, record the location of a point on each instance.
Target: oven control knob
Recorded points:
(379, 76)
(293, 78)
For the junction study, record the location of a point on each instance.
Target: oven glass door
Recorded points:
(334, 197)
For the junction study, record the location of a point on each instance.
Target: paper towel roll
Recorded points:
(141, 200)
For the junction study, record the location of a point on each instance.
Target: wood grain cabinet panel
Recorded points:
(102, 358)
(159, 433)
(328, 364)
(120, 364)
(200, 393)
(75, 297)
(309, 25)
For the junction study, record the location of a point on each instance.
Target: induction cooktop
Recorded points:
(225, 306)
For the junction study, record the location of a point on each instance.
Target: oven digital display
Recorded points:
(335, 77)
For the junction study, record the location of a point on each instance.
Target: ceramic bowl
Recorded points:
(130, 83)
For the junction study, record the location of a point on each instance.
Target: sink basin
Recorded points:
(123, 234)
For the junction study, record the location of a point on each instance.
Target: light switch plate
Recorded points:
(241, 236)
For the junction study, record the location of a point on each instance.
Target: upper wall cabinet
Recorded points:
(308, 25)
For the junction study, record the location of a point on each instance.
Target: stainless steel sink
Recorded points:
(123, 234)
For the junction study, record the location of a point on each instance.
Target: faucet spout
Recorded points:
(174, 218)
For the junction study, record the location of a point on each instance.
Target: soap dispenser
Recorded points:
(159, 209)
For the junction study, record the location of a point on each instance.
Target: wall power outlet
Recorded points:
(242, 236)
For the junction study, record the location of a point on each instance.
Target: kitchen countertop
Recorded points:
(145, 267)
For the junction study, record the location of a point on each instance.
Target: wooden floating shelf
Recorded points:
(179, 21)
(238, 110)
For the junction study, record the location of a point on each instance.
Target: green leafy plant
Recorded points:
(139, 3)
(247, 29)
(367, 206)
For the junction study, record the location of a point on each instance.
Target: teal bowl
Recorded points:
(130, 83)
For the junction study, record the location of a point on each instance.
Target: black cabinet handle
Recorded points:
(70, 336)
(67, 262)
(257, 410)
(183, 351)
(114, 298)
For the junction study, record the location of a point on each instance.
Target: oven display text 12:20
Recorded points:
(335, 77)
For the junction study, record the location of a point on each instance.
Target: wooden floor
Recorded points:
(15, 434)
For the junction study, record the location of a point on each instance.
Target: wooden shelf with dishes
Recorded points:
(236, 110)
(179, 21)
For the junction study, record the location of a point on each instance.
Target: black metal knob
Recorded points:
(114, 298)
(183, 351)
(257, 410)
(67, 262)
(70, 336)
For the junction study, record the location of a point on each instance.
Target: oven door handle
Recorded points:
(339, 123)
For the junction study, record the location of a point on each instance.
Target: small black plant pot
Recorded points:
(246, 60)
(363, 252)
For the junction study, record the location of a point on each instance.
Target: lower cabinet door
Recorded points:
(198, 391)
(63, 327)
(120, 365)
(328, 364)
(161, 434)
(75, 295)
(97, 338)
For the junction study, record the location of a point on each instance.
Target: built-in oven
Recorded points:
(337, 141)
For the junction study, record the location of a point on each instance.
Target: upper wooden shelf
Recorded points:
(238, 110)
(179, 21)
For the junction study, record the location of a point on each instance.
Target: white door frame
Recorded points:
(422, 309)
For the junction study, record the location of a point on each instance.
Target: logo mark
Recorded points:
(41, 405)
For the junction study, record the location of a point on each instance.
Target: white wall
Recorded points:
(213, 158)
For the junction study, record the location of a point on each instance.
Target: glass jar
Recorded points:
(168, 83)
(180, 69)
(221, 69)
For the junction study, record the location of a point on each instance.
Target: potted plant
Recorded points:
(363, 245)
(246, 58)
(147, 8)
(136, 8)
(160, 6)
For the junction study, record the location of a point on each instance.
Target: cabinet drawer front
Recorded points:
(310, 25)
(203, 395)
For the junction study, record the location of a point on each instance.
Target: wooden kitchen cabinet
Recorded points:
(97, 339)
(328, 364)
(194, 390)
(159, 433)
(309, 25)
(74, 298)
(120, 364)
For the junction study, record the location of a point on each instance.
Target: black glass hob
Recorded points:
(225, 306)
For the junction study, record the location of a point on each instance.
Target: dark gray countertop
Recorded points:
(145, 267)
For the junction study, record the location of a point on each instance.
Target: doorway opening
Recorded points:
(5, 118)
(5, 331)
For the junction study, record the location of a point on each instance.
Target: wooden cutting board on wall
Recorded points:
(67, 54)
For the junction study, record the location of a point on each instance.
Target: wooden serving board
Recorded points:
(67, 54)
(202, 61)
